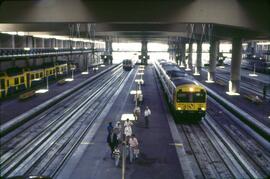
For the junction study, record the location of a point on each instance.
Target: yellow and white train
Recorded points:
(19, 79)
(185, 96)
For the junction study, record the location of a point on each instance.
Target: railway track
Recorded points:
(208, 158)
(43, 146)
(223, 149)
(252, 155)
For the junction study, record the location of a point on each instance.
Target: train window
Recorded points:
(183, 97)
(2, 84)
(16, 81)
(41, 74)
(53, 71)
(37, 75)
(22, 79)
(32, 76)
(199, 97)
(50, 72)
(7, 83)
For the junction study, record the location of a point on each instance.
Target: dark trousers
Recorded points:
(146, 119)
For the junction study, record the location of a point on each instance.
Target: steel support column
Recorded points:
(183, 55)
(214, 49)
(199, 57)
(190, 56)
(235, 64)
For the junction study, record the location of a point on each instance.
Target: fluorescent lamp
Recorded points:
(182, 66)
(136, 92)
(55, 48)
(36, 79)
(69, 79)
(26, 48)
(253, 75)
(102, 65)
(263, 43)
(41, 91)
(10, 33)
(85, 73)
(124, 117)
(139, 81)
(140, 73)
(20, 33)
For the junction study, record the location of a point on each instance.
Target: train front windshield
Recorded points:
(188, 97)
(127, 62)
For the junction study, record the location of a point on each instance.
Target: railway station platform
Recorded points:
(14, 107)
(158, 157)
(247, 75)
(257, 109)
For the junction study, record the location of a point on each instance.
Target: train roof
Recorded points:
(182, 81)
(176, 73)
(161, 60)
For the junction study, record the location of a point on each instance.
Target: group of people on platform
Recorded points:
(118, 136)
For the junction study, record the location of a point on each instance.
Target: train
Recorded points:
(186, 98)
(18, 79)
(259, 63)
(127, 64)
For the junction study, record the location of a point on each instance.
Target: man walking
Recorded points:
(147, 113)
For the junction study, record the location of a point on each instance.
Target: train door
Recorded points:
(3, 88)
(28, 80)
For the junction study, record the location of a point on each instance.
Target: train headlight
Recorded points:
(191, 89)
(203, 109)
(179, 108)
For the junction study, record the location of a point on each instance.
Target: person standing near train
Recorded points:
(133, 148)
(110, 128)
(112, 141)
(147, 114)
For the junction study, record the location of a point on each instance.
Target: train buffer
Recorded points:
(27, 95)
(253, 98)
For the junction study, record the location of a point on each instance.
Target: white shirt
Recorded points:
(128, 131)
(128, 123)
(147, 112)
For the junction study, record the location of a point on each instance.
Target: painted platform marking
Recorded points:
(176, 144)
(87, 143)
